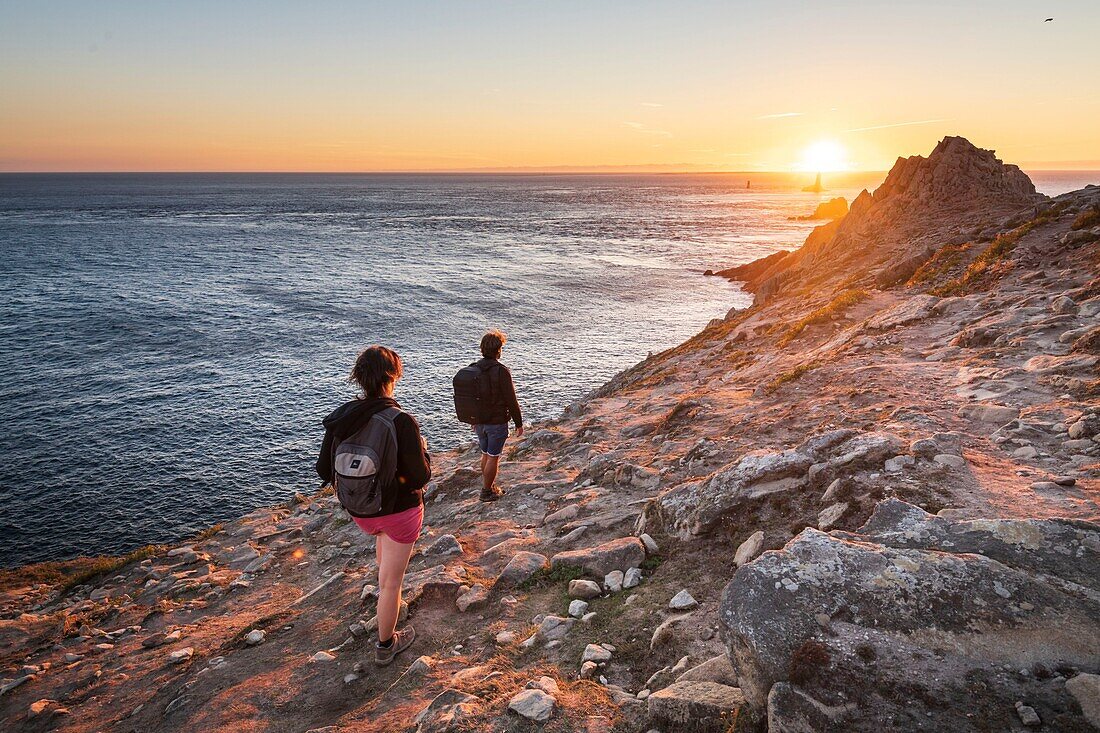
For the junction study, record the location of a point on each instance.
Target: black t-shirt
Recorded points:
(505, 405)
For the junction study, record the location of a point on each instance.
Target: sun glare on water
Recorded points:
(824, 156)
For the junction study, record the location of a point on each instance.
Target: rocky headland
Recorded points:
(868, 502)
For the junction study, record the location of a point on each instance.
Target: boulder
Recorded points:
(618, 554)
(632, 577)
(1085, 688)
(446, 544)
(584, 589)
(520, 568)
(926, 622)
(446, 712)
(533, 704)
(996, 414)
(473, 599)
(682, 601)
(697, 707)
(910, 310)
(717, 669)
(554, 628)
(700, 507)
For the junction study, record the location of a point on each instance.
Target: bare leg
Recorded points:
(489, 470)
(393, 558)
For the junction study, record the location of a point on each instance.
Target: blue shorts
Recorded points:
(491, 438)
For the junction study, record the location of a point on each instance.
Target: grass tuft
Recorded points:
(789, 376)
(70, 573)
(992, 264)
(946, 258)
(828, 312)
(551, 576)
(1087, 219)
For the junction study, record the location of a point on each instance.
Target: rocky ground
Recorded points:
(868, 502)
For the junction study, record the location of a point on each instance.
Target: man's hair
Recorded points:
(492, 342)
(375, 368)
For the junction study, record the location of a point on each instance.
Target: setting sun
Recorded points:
(824, 156)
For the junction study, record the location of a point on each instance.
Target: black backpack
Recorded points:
(365, 464)
(475, 393)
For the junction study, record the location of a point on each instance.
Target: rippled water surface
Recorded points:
(170, 343)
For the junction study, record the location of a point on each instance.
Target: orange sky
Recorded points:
(445, 86)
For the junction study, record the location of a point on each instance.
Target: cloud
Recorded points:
(780, 114)
(639, 127)
(896, 124)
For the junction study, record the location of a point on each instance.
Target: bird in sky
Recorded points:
(1048, 20)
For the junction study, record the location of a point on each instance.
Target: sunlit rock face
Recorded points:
(958, 192)
(916, 622)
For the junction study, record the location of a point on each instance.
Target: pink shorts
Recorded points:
(403, 527)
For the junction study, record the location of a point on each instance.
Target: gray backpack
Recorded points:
(365, 464)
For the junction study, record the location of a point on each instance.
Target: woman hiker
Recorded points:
(380, 484)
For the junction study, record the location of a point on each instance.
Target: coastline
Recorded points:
(815, 424)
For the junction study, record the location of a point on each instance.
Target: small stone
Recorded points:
(533, 704)
(584, 589)
(555, 628)
(924, 448)
(597, 654)
(369, 591)
(613, 581)
(651, 547)
(38, 706)
(181, 655)
(588, 617)
(897, 464)
(1065, 480)
(254, 637)
(951, 461)
(350, 677)
(578, 608)
(322, 657)
(830, 515)
(682, 601)
(475, 598)
(749, 549)
(547, 684)
(1063, 305)
(446, 544)
(153, 640)
(505, 637)
(70, 657)
(632, 578)
(1025, 452)
(588, 669)
(1027, 714)
(421, 665)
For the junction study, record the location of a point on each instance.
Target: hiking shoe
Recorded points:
(402, 640)
(491, 494)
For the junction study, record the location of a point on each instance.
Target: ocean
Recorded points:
(169, 343)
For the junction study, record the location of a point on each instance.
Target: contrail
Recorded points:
(896, 124)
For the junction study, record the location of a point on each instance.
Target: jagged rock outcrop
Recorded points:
(917, 622)
(923, 204)
(696, 508)
(832, 209)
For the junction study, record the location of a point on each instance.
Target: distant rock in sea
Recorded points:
(832, 209)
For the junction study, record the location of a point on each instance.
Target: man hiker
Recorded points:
(486, 398)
